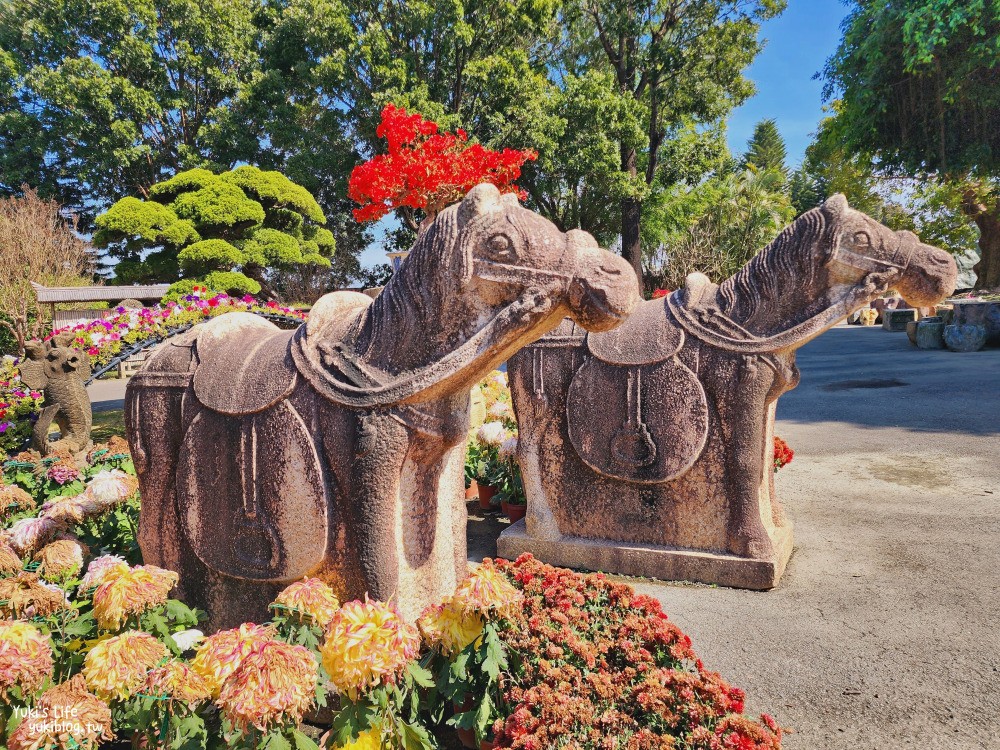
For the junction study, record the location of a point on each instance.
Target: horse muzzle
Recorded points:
(930, 276)
(604, 290)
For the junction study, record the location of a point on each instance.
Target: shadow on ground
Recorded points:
(873, 378)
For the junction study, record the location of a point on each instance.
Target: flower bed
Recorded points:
(104, 339)
(19, 408)
(525, 654)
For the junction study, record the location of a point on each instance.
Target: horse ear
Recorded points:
(835, 205)
(480, 200)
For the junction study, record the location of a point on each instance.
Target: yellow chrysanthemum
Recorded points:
(370, 739)
(131, 591)
(487, 590)
(117, 666)
(25, 657)
(177, 681)
(367, 644)
(219, 655)
(275, 684)
(100, 568)
(448, 627)
(26, 595)
(71, 718)
(60, 559)
(312, 598)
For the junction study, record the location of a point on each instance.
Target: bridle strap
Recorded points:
(704, 323)
(376, 390)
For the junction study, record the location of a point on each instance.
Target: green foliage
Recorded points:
(255, 224)
(208, 254)
(717, 225)
(917, 88)
(917, 82)
(766, 148)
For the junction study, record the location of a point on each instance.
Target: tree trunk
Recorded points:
(631, 218)
(988, 268)
(631, 244)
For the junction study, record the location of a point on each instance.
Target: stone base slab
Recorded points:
(664, 563)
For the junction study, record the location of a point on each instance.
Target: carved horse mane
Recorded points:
(797, 253)
(407, 295)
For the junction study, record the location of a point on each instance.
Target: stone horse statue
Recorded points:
(657, 437)
(337, 450)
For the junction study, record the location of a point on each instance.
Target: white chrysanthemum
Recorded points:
(508, 448)
(492, 433)
(499, 410)
(107, 489)
(188, 639)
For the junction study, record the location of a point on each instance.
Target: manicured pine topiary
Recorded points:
(228, 232)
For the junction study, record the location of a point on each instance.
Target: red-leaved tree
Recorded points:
(426, 169)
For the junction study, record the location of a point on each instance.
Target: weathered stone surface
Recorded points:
(911, 331)
(979, 312)
(896, 320)
(868, 316)
(929, 333)
(337, 451)
(652, 561)
(965, 338)
(649, 450)
(59, 370)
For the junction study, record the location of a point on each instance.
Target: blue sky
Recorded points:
(799, 41)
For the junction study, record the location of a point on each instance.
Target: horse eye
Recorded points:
(501, 247)
(862, 238)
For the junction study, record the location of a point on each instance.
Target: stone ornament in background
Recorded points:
(59, 370)
(967, 337)
(648, 450)
(337, 450)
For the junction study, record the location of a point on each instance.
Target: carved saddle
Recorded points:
(635, 411)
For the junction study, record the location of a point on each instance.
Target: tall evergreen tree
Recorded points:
(766, 148)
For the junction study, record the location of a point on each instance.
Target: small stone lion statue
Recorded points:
(59, 370)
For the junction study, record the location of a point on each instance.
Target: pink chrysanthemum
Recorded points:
(367, 644)
(312, 598)
(487, 590)
(274, 684)
(25, 657)
(29, 535)
(99, 569)
(176, 681)
(219, 655)
(128, 592)
(89, 726)
(117, 666)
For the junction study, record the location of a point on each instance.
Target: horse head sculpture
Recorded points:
(663, 427)
(336, 450)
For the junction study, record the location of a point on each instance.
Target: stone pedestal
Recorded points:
(979, 312)
(965, 338)
(929, 333)
(652, 561)
(896, 320)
